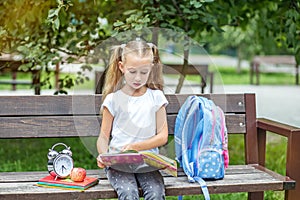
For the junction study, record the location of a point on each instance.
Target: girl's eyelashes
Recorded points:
(132, 71)
(144, 72)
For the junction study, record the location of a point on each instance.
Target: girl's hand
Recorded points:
(129, 147)
(100, 163)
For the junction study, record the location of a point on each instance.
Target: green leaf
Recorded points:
(196, 4)
(118, 23)
(130, 12)
(61, 91)
(56, 24)
(23, 49)
(53, 13)
(138, 27)
(25, 67)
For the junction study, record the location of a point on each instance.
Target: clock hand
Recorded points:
(62, 168)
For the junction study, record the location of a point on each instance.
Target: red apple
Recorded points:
(78, 174)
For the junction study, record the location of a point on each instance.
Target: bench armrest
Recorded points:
(293, 144)
(275, 127)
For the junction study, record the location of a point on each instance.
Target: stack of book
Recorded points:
(52, 182)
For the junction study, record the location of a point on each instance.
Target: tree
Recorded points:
(253, 27)
(264, 27)
(42, 30)
(48, 32)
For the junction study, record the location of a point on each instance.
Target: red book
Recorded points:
(67, 183)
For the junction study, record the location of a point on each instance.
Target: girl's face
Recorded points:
(136, 71)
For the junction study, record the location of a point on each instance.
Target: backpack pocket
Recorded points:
(210, 164)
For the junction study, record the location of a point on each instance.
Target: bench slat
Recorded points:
(74, 126)
(234, 123)
(49, 105)
(16, 82)
(230, 103)
(49, 126)
(11, 177)
(201, 70)
(239, 178)
(90, 104)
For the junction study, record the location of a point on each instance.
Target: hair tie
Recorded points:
(122, 46)
(150, 45)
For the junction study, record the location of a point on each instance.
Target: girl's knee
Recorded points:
(156, 192)
(127, 193)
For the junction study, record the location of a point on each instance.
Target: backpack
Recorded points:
(201, 141)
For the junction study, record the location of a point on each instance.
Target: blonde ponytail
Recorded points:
(114, 74)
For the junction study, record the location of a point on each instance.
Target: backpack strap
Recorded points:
(213, 126)
(179, 126)
(203, 187)
(224, 138)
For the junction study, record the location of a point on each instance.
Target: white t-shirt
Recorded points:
(134, 117)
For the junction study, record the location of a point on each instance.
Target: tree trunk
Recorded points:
(239, 57)
(184, 66)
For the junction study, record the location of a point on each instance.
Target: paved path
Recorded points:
(280, 103)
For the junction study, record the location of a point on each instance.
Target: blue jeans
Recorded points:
(126, 184)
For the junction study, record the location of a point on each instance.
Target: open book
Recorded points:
(134, 161)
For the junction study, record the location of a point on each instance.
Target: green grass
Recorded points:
(229, 76)
(31, 154)
(20, 76)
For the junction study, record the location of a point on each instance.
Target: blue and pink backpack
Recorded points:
(201, 142)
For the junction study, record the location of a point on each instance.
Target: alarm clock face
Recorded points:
(62, 165)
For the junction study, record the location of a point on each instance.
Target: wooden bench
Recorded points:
(255, 66)
(10, 65)
(77, 116)
(199, 70)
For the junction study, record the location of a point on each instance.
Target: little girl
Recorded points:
(134, 116)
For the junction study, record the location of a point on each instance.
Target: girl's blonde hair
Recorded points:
(114, 76)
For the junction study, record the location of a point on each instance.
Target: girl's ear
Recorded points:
(121, 66)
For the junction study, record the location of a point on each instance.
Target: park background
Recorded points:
(230, 33)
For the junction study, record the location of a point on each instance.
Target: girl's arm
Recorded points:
(159, 139)
(103, 139)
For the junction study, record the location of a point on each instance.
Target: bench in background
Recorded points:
(77, 116)
(10, 65)
(255, 66)
(199, 70)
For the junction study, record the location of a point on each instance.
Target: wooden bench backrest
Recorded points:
(78, 115)
(56, 116)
